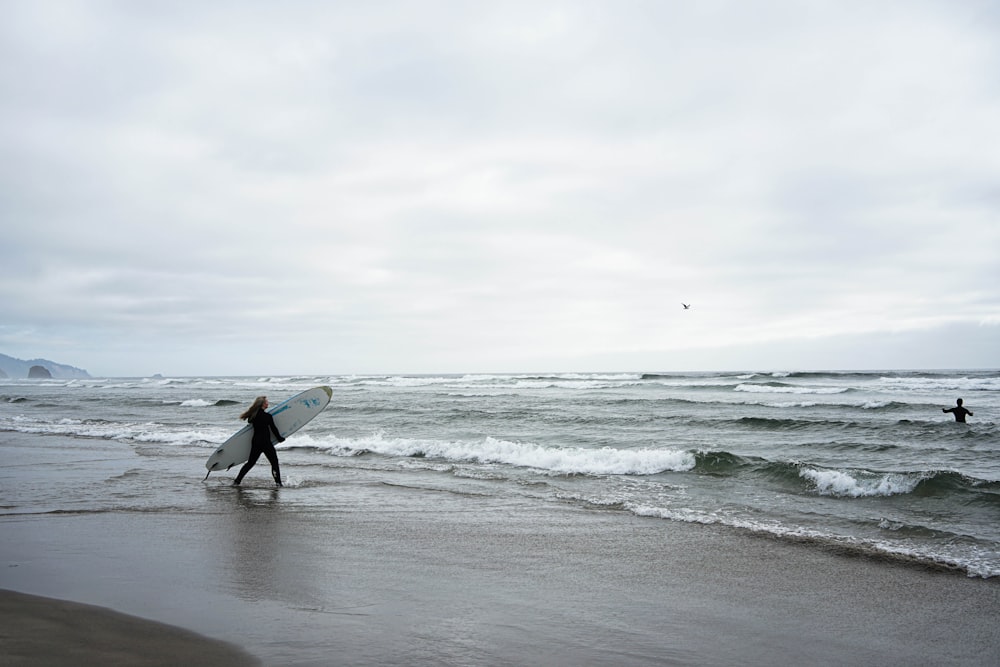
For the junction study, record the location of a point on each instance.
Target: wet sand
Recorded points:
(474, 582)
(40, 632)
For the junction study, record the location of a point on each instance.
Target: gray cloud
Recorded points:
(435, 186)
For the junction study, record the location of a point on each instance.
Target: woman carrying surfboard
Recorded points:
(263, 426)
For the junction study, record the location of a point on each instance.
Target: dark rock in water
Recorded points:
(39, 372)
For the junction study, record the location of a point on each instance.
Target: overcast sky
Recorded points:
(207, 188)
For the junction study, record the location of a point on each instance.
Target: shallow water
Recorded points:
(866, 462)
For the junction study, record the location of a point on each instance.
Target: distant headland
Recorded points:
(37, 368)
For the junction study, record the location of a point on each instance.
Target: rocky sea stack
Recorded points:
(38, 368)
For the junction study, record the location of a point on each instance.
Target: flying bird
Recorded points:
(687, 306)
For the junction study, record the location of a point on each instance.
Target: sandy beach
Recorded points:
(40, 632)
(474, 582)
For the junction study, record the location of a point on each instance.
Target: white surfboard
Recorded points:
(289, 417)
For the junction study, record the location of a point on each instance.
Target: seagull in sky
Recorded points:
(687, 306)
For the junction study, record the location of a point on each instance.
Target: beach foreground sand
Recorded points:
(40, 632)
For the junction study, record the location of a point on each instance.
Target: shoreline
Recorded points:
(346, 569)
(474, 583)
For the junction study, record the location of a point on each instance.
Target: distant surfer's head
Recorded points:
(959, 401)
(258, 403)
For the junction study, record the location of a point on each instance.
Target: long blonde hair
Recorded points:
(254, 409)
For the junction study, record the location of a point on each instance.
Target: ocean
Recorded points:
(864, 463)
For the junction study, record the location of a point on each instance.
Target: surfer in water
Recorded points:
(263, 427)
(959, 411)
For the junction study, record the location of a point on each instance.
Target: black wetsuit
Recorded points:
(263, 426)
(959, 412)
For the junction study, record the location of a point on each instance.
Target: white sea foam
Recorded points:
(858, 485)
(886, 524)
(790, 404)
(196, 403)
(561, 460)
(156, 434)
(940, 383)
(487, 381)
(769, 389)
(975, 563)
(149, 432)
